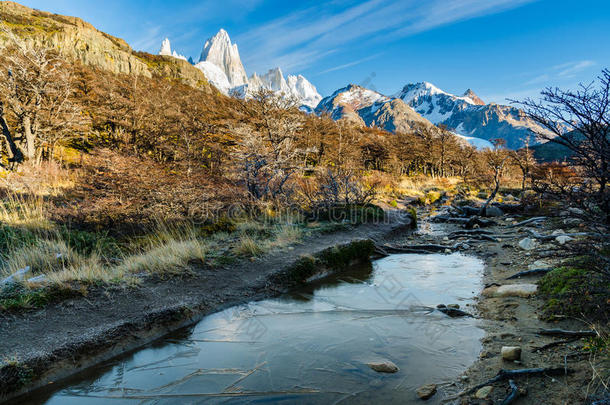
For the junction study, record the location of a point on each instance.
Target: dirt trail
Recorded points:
(61, 340)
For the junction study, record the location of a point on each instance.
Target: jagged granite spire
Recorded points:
(221, 52)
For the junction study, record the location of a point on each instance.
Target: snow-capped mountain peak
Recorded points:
(222, 66)
(166, 50)
(472, 96)
(221, 52)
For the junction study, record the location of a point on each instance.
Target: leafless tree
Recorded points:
(495, 160)
(36, 93)
(580, 121)
(524, 158)
(267, 152)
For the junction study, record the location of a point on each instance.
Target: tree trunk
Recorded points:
(15, 154)
(29, 138)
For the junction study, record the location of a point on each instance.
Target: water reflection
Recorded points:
(309, 347)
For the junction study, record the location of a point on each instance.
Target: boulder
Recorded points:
(426, 391)
(528, 244)
(384, 366)
(511, 353)
(483, 393)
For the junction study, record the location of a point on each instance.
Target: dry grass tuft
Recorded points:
(170, 258)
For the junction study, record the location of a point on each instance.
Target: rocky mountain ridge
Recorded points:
(78, 40)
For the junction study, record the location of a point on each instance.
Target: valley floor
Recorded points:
(52, 343)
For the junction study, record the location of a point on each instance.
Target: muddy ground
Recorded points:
(58, 341)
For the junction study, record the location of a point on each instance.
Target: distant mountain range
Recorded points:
(221, 64)
(467, 116)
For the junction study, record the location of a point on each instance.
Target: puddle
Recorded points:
(310, 346)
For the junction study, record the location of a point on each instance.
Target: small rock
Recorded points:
(511, 353)
(426, 391)
(384, 366)
(484, 392)
(576, 211)
(439, 306)
(563, 239)
(464, 378)
(454, 306)
(528, 244)
(539, 264)
(571, 221)
(446, 238)
(557, 232)
(484, 354)
(447, 251)
(509, 219)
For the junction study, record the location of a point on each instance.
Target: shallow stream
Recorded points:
(308, 347)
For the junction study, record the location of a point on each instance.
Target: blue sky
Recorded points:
(499, 48)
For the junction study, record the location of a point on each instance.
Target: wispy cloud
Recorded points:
(306, 35)
(572, 68)
(149, 39)
(562, 71)
(350, 64)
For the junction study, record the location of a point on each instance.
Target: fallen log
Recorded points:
(567, 333)
(468, 232)
(509, 208)
(527, 221)
(530, 273)
(514, 393)
(553, 344)
(448, 219)
(396, 249)
(506, 374)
